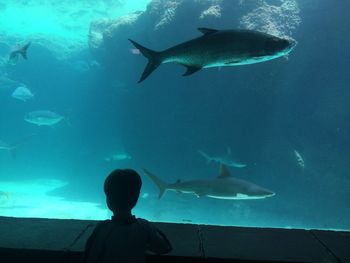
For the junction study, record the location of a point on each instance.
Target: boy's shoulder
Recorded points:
(103, 223)
(147, 225)
(144, 222)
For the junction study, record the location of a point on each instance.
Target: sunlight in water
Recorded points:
(65, 19)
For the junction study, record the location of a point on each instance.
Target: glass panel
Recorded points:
(255, 134)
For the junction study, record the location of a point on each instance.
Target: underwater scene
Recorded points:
(234, 113)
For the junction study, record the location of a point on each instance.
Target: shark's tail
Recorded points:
(24, 49)
(161, 185)
(154, 60)
(206, 156)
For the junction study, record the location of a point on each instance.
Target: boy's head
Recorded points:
(122, 188)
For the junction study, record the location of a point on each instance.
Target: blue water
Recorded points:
(263, 112)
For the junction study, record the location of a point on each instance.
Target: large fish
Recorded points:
(43, 118)
(217, 48)
(223, 187)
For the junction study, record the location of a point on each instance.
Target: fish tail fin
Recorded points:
(161, 185)
(206, 156)
(24, 49)
(154, 60)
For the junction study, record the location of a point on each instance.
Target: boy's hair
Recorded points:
(122, 188)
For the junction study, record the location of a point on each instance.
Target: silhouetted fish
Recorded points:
(217, 48)
(19, 50)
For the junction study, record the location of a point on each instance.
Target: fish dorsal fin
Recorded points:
(224, 172)
(207, 31)
(178, 181)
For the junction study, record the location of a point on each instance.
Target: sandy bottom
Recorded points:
(32, 199)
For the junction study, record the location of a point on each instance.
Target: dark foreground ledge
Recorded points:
(51, 240)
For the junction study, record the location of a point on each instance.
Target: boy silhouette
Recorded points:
(124, 238)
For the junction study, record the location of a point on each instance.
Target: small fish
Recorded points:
(43, 118)
(22, 93)
(122, 156)
(299, 158)
(217, 48)
(9, 148)
(17, 51)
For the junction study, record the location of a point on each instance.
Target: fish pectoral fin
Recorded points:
(207, 31)
(190, 70)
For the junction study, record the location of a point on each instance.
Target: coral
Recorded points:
(276, 20)
(214, 11)
(165, 10)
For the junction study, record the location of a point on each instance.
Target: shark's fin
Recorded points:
(207, 31)
(154, 60)
(224, 172)
(190, 70)
(228, 150)
(161, 185)
(178, 181)
(24, 50)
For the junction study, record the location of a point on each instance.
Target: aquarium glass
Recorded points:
(245, 125)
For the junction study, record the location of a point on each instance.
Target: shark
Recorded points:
(223, 186)
(224, 159)
(218, 48)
